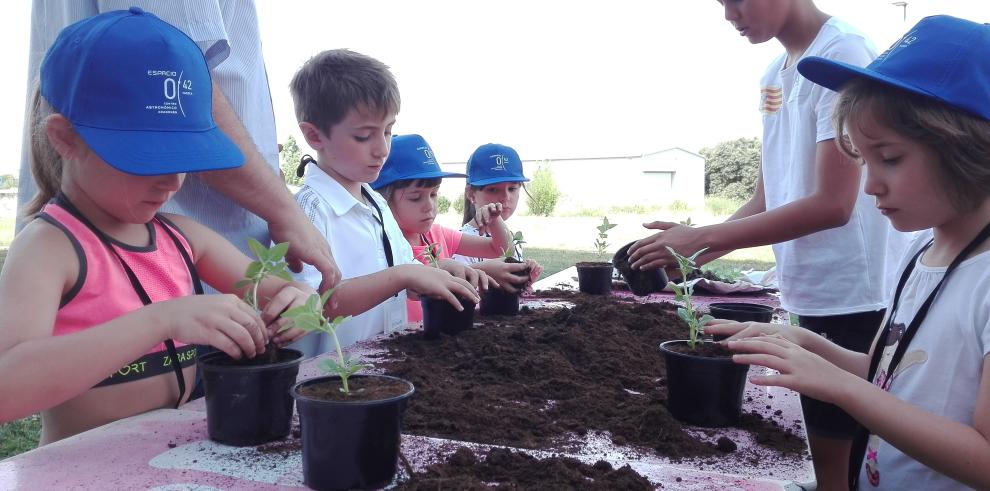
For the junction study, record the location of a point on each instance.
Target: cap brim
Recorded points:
(835, 74)
(494, 180)
(419, 175)
(153, 153)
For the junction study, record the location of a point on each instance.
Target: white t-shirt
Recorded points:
(355, 236)
(840, 270)
(227, 33)
(942, 367)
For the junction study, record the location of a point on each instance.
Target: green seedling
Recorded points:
(510, 251)
(683, 293)
(431, 253)
(602, 241)
(270, 262)
(312, 318)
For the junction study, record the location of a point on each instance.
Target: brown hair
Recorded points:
(335, 81)
(961, 140)
(46, 163)
(389, 191)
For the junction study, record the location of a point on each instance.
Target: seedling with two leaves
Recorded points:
(312, 318)
(684, 292)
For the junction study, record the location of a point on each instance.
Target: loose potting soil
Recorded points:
(537, 379)
(516, 470)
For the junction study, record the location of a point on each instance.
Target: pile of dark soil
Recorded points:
(537, 379)
(515, 470)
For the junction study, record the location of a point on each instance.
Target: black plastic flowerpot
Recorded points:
(703, 391)
(496, 301)
(248, 404)
(594, 277)
(439, 316)
(740, 312)
(641, 282)
(351, 444)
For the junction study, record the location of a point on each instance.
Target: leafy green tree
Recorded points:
(732, 167)
(443, 205)
(290, 161)
(543, 192)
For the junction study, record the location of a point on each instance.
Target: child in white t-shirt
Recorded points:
(495, 176)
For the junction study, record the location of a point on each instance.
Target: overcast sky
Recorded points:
(554, 79)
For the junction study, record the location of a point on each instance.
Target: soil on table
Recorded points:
(538, 379)
(516, 470)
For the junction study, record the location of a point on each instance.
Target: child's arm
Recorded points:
(504, 273)
(957, 450)
(851, 361)
(221, 265)
(489, 219)
(358, 295)
(45, 370)
(837, 179)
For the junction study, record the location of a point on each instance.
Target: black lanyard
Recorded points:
(136, 284)
(380, 218)
(863, 434)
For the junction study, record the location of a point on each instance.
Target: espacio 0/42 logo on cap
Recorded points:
(173, 88)
(500, 161)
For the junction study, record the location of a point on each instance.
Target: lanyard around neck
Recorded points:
(862, 437)
(380, 218)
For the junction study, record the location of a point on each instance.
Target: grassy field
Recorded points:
(19, 436)
(6, 231)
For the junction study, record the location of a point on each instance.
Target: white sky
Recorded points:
(552, 78)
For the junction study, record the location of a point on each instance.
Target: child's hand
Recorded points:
(475, 277)
(487, 215)
(437, 283)
(222, 321)
(503, 274)
(535, 270)
(742, 330)
(291, 295)
(800, 369)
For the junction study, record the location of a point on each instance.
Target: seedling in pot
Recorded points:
(311, 318)
(684, 292)
(510, 251)
(431, 253)
(602, 241)
(270, 262)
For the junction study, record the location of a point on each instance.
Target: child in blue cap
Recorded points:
(495, 176)
(100, 293)
(409, 182)
(919, 118)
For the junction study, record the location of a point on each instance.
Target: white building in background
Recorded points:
(652, 179)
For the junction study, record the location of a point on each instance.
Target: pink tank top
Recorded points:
(103, 291)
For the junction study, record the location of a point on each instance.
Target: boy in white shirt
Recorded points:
(346, 104)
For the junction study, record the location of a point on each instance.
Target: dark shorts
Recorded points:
(851, 331)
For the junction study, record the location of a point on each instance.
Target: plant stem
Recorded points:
(340, 357)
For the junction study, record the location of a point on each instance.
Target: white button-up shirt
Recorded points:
(355, 236)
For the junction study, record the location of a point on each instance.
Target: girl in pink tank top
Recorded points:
(99, 293)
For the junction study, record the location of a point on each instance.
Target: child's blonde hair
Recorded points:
(46, 163)
(961, 140)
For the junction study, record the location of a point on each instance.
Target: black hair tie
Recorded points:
(301, 169)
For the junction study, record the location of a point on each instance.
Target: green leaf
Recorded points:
(696, 254)
(285, 275)
(683, 314)
(258, 249)
(278, 252)
(241, 284)
(253, 269)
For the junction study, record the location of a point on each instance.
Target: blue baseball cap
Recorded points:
(942, 57)
(492, 163)
(410, 158)
(139, 93)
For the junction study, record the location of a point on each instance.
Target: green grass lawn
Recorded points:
(6, 231)
(19, 436)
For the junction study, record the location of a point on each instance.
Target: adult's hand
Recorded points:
(306, 245)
